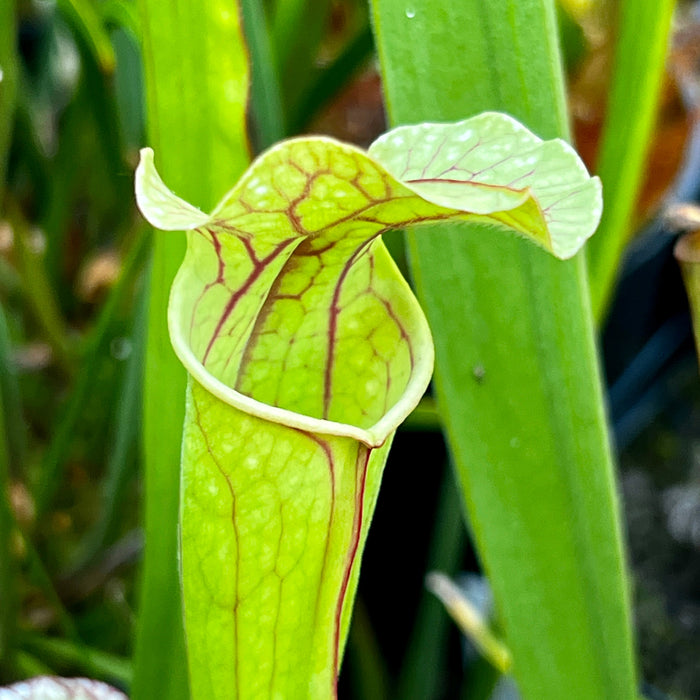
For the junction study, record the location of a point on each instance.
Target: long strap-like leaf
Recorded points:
(196, 79)
(518, 380)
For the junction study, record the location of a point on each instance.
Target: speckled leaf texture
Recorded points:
(306, 349)
(54, 688)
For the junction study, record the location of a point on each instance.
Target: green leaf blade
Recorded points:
(637, 79)
(196, 94)
(516, 371)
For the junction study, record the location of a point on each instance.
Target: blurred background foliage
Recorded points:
(73, 261)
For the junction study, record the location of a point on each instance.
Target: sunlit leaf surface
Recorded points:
(307, 350)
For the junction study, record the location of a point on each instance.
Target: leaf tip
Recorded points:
(158, 205)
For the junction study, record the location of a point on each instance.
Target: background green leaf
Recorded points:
(529, 437)
(196, 98)
(637, 78)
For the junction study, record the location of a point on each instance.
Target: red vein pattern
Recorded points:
(294, 281)
(331, 499)
(289, 297)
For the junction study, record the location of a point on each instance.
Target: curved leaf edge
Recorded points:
(164, 210)
(169, 212)
(373, 437)
(561, 246)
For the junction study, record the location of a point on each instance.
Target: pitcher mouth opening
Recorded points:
(373, 437)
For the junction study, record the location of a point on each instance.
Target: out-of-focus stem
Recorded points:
(469, 620)
(687, 252)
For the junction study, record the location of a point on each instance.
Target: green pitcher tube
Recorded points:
(306, 349)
